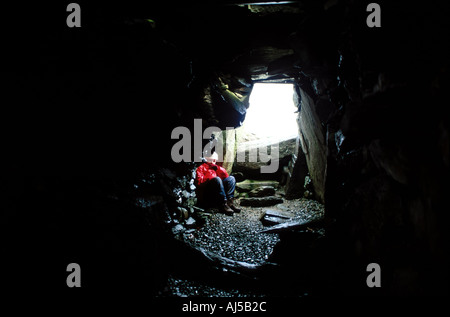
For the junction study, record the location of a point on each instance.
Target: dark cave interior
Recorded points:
(89, 179)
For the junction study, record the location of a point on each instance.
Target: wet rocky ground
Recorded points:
(185, 288)
(239, 238)
(236, 237)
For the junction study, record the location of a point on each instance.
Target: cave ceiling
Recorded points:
(247, 39)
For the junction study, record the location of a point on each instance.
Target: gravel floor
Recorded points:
(238, 237)
(185, 288)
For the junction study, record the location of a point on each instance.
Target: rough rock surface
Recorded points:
(261, 201)
(312, 137)
(249, 185)
(262, 191)
(245, 147)
(273, 217)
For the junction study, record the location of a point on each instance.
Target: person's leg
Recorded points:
(216, 190)
(229, 185)
(217, 195)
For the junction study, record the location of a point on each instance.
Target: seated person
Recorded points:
(215, 188)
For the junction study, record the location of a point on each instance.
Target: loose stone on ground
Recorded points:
(239, 237)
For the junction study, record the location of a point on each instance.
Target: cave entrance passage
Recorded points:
(271, 122)
(271, 114)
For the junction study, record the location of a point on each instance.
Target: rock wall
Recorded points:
(247, 148)
(297, 172)
(373, 130)
(388, 192)
(313, 143)
(386, 156)
(228, 139)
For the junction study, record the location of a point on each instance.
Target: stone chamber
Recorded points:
(87, 172)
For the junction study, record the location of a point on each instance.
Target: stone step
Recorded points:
(262, 191)
(260, 201)
(248, 184)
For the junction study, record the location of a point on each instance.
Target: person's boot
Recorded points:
(224, 208)
(230, 203)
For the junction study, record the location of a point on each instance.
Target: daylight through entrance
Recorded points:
(271, 113)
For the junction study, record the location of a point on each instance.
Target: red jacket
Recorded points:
(207, 171)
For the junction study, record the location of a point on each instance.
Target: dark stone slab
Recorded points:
(260, 201)
(262, 191)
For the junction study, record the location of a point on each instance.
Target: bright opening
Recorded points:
(271, 114)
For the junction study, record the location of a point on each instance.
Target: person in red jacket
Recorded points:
(215, 187)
